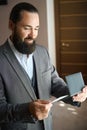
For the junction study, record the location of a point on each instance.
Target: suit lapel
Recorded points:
(22, 75)
(38, 73)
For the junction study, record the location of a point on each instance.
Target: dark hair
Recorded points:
(18, 8)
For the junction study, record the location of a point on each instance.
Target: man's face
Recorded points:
(25, 32)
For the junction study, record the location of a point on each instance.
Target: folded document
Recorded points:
(75, 83)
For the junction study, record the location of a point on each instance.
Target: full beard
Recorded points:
(22, 46)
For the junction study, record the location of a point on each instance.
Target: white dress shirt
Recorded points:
(25, 61)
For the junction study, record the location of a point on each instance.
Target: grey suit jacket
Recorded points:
(16, 90)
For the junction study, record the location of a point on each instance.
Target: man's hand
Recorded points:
(40, 109)
(81, 97)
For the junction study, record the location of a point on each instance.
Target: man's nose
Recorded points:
(32, 33)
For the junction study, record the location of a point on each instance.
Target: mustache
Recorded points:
(29, 38)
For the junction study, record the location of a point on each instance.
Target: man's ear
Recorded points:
(11, 25)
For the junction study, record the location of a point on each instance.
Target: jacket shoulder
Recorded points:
(41, 49)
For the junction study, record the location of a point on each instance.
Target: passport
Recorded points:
(75, 83)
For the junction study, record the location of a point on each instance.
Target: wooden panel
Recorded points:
(73, 68)
(74, 46)
(73, 58)
(68, 8)
(73, 21)
(65, 1)
(69, 34)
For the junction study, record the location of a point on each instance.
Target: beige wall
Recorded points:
(46, 34)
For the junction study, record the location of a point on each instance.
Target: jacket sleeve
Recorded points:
(59, 87)
(13, 113)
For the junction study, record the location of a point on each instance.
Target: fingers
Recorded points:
(40, 109)
(81, 97)
(43, 101)
(85, 89)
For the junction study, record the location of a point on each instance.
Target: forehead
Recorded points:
(29, 18)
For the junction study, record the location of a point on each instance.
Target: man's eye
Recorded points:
(37, 29)
(26, 28)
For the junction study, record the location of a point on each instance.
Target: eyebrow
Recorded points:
(31, 26)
